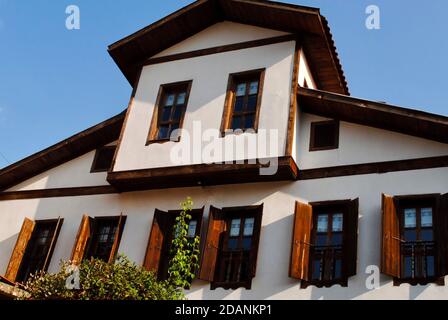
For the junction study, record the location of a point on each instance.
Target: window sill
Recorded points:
(238, 132)
(422, 281)
(324, 284)
(231, 285)
(160, 141)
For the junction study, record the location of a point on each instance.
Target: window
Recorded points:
(416, 226)
(169, 111)
(243, 100)
(324, 135)
(324, 250)
(98, 238)
(230, 256)
(33, 249)
(103, 159)
(163, 231)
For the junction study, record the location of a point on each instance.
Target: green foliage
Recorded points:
(122, 280)
(184, 250)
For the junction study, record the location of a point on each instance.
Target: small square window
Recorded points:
(103, 159)
(324, 135)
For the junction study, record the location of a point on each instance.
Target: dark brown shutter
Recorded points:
(300, 252)
(82, 238)
(256, 241)
(54, 238)
(442, 235)
(19, 249)
(351, 238)
(117, 238)
(390, 253)
(155, 243)
(216, 226)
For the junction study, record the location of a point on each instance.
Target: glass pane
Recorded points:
(238, 104)
(410, 235)
(169, 100)
(163, 132)
(321, 240)
(426, 235)
(337, 268)
(252, 103)
(337, 222)
(178, 111)
(426, 217)
(248, 226)
(166, 113)
(247, 243)
(316, 270)
(232, 244)
(407, 267)
(322, 223)
(336, 239)
(235, 227)
(241, 90)
(236, 123)
(249, 122)
(430, 272)
(192, 228)
(253, 89)
(181, 98)
(410, 218)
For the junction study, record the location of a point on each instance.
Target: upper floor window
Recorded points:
(414, 238)
(324, 135)
(33, 249)
(103, 159)
(243, 100)
(169, 111)
(324, 250)
(231, 248)
(159, 253)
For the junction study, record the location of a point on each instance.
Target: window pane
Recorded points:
(410, 235)
(253, 89)
(336, 239)
(232, 244)
(426, 217)
(407, 267)
(166, 112)
(238, 104)
(235, 227)
(337, 268)
(181, 98)
(249, 121)
(410, 218)
(163, 132)
(192, 228)
(247, 243)
(430, 272)
(169, 101)
(178, 111)
(322, 223)
(248, 226)
(316, 270)
(321, 240)
(252, 103)
(337, 222)
(426, 235)
(236, 123)
(241, 90)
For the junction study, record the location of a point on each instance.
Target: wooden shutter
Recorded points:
(82, 238)
(19, 249)
(54, 238)
(390, 253)
(442, 235)
(256, 241)
(300, 252)
(155, 243)
(117, 238)
(216, 226)
(351, 239)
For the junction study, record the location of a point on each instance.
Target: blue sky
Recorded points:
(55, 82)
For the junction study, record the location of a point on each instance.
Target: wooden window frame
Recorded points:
(93, 169)
(154, 126)
(420, 201)
(227, 214)
(229, 102)
(335, 144)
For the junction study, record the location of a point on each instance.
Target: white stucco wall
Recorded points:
(210, 76)
(271, 281)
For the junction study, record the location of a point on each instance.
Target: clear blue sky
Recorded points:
(55, 82)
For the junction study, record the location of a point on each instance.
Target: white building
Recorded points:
(358, 183)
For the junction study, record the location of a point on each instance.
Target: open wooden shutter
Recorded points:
(54, 238)
(390, 253)
(256, 240)
(19, 249)
(351, 239)
(155, 243)
(216, 226)
(300, 252)
(117, 238)
(442, 235)
(82, 238)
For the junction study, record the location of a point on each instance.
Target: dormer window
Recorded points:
(242, 107)
(169, 111)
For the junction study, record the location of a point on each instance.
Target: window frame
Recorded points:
(154, 125)
(335, 144)
(229, 102)
(93, 168)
